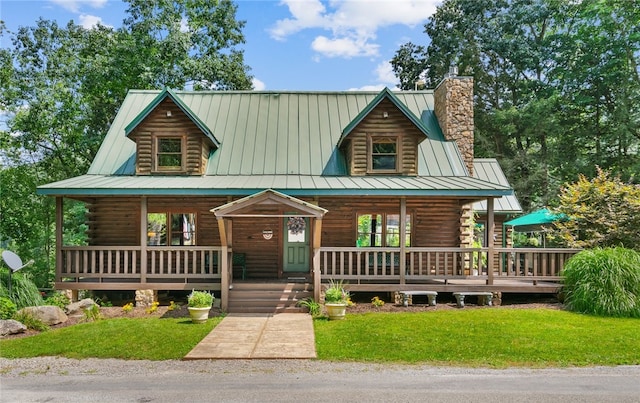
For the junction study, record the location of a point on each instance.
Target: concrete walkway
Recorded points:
(257, 335)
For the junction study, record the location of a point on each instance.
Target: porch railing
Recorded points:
(383, 264)
(125, 264)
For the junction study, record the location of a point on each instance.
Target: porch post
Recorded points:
(224, 279)
(403, 237)
(143, 239)
(317, 243)
(490, 241)
(59, 231)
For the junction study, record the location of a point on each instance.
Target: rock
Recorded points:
(80, 306)
(48, 314)
(11, 326)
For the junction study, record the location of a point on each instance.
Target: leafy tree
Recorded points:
(556, 84)
(601, 212)
(62, 86)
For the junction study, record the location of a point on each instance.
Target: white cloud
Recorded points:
(377, 88)
(385, 73)
(89, 21)
(257, 84)
(75, 5)
(351, 22)
(343, 47)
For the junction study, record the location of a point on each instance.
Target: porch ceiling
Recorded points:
(245, 207)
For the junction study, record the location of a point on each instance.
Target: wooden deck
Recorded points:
(364, 269)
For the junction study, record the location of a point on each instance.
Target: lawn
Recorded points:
(475, 337)
(124, 338)
(481, 337)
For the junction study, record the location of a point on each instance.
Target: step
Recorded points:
(259, 297)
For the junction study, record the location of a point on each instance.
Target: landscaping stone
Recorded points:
(11, 326)
(48, 314)
(80, 306)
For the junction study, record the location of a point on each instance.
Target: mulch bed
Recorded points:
(357, 308)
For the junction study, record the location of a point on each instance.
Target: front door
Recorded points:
(296, 244)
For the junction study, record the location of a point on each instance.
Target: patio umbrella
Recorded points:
(535, 221)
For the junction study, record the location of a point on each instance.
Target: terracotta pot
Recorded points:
(199, 315)
(336, 311)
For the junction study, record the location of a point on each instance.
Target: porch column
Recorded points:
(490, 241)
(143, 239)
(224, 269)
(317, 243)
(403, 237)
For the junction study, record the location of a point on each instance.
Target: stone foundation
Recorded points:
(145, 298)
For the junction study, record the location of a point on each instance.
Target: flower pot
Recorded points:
(336, 311)
(199, 315)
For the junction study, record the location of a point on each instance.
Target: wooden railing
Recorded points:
(127, 264)
(383, 264)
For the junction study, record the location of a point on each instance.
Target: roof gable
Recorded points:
(168, 93)
(243, 207)
(386, 93)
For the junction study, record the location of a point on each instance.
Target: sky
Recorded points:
(305, 45)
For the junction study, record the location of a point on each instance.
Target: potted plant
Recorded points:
(200, 303)
(336, 299)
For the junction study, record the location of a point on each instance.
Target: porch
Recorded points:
(516, 270)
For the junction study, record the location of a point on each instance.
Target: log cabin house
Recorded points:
(257, 194)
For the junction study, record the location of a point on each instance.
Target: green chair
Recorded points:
(240, 260)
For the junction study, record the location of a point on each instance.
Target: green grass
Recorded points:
(474, 337)
(481, 337)
(123, 338)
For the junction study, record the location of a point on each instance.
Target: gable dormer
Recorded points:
(170, 139)
(383, 139)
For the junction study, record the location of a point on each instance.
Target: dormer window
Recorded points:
(170, 153)
(384, 154)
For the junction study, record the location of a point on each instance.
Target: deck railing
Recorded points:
(383, 264)
(179, 264)
(184, 264)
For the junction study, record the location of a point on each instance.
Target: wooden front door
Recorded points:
(296, 244)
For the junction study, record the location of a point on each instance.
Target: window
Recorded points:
(384, 154)
(171, 229)
(169, 154)
(382, 230)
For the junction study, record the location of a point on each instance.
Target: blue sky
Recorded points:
(309, 45)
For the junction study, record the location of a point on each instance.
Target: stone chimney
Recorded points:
(453, 99)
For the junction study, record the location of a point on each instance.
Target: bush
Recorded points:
(604, 282)
(30, 321)
(200, 299)
(7, 308)
(58, 299)
(23, 291)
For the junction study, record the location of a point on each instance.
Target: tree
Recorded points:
(601, 212)
(62, 86)
(556, 89)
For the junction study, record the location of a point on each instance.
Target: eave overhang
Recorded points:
(242, 207)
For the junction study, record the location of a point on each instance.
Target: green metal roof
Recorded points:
(167, 93)
(273, 133)
(384, 94)
(488, 169)
(292, 185)
(286, 141)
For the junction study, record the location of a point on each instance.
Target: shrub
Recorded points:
(7, 308)
(313, 306)
(23, 291)
(335, 293)
(58, 299)
(604, 282)
(30, 321)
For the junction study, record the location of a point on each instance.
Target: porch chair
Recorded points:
(240, 260)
